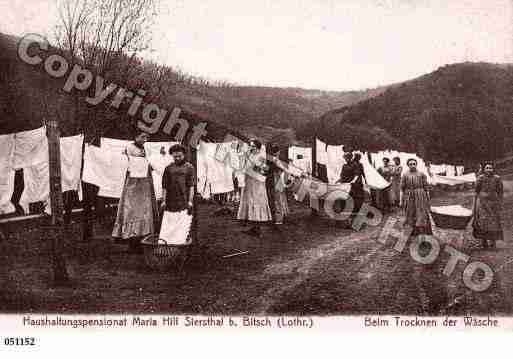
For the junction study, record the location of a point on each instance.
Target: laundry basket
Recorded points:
(161, 256)
(450, 220)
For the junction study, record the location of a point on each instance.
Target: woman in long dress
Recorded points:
(254, 203)
(488, 202)
(137, 210)
(415, 200)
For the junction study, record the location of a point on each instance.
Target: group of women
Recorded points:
(264, 198)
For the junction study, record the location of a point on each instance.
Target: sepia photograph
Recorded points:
(256, 164)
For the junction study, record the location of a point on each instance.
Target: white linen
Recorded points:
(30, 148)
(36, 180)
(335, 162)
(214, 169)
(321, 153)
(373, 179)
(105, 169)
(175, 227)
(71, 162)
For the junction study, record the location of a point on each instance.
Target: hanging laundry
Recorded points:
(30, 148)
(157, 148)
(450, 170)
(105, 169)
(373, 179)
(6, 173)
(214, 176)
(114, 145)
(71, 162)
(36, 180)
(437, 169)
(159, 162)
(335, 162)
(301, 157)
(321, 152)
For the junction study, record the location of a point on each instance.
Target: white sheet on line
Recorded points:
(321, 153)
(30, 148)
(159, 163)
(71, 162)
(154, 148)
(36, 180)
(373, 178)
(304, 163)
(105, 169)
(214, 176)
(335, 162)
(114, 145)
(36, 177)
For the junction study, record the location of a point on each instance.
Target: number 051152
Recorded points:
(19, 341)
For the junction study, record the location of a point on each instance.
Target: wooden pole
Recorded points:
(56, 227)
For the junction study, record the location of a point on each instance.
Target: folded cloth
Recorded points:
(175, 227)
(30, 148)
(6, 173)
(105, 169)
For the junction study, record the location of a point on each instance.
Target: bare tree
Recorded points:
(97, 32)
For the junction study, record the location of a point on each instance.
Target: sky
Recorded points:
(317, 44)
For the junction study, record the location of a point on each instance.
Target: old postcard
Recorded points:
(300, 166)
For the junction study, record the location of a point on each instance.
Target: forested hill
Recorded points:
(460, 113)
(28, 94)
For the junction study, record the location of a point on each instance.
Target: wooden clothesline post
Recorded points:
(55, 229)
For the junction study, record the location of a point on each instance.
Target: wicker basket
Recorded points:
(161, 256)
(450, 222)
